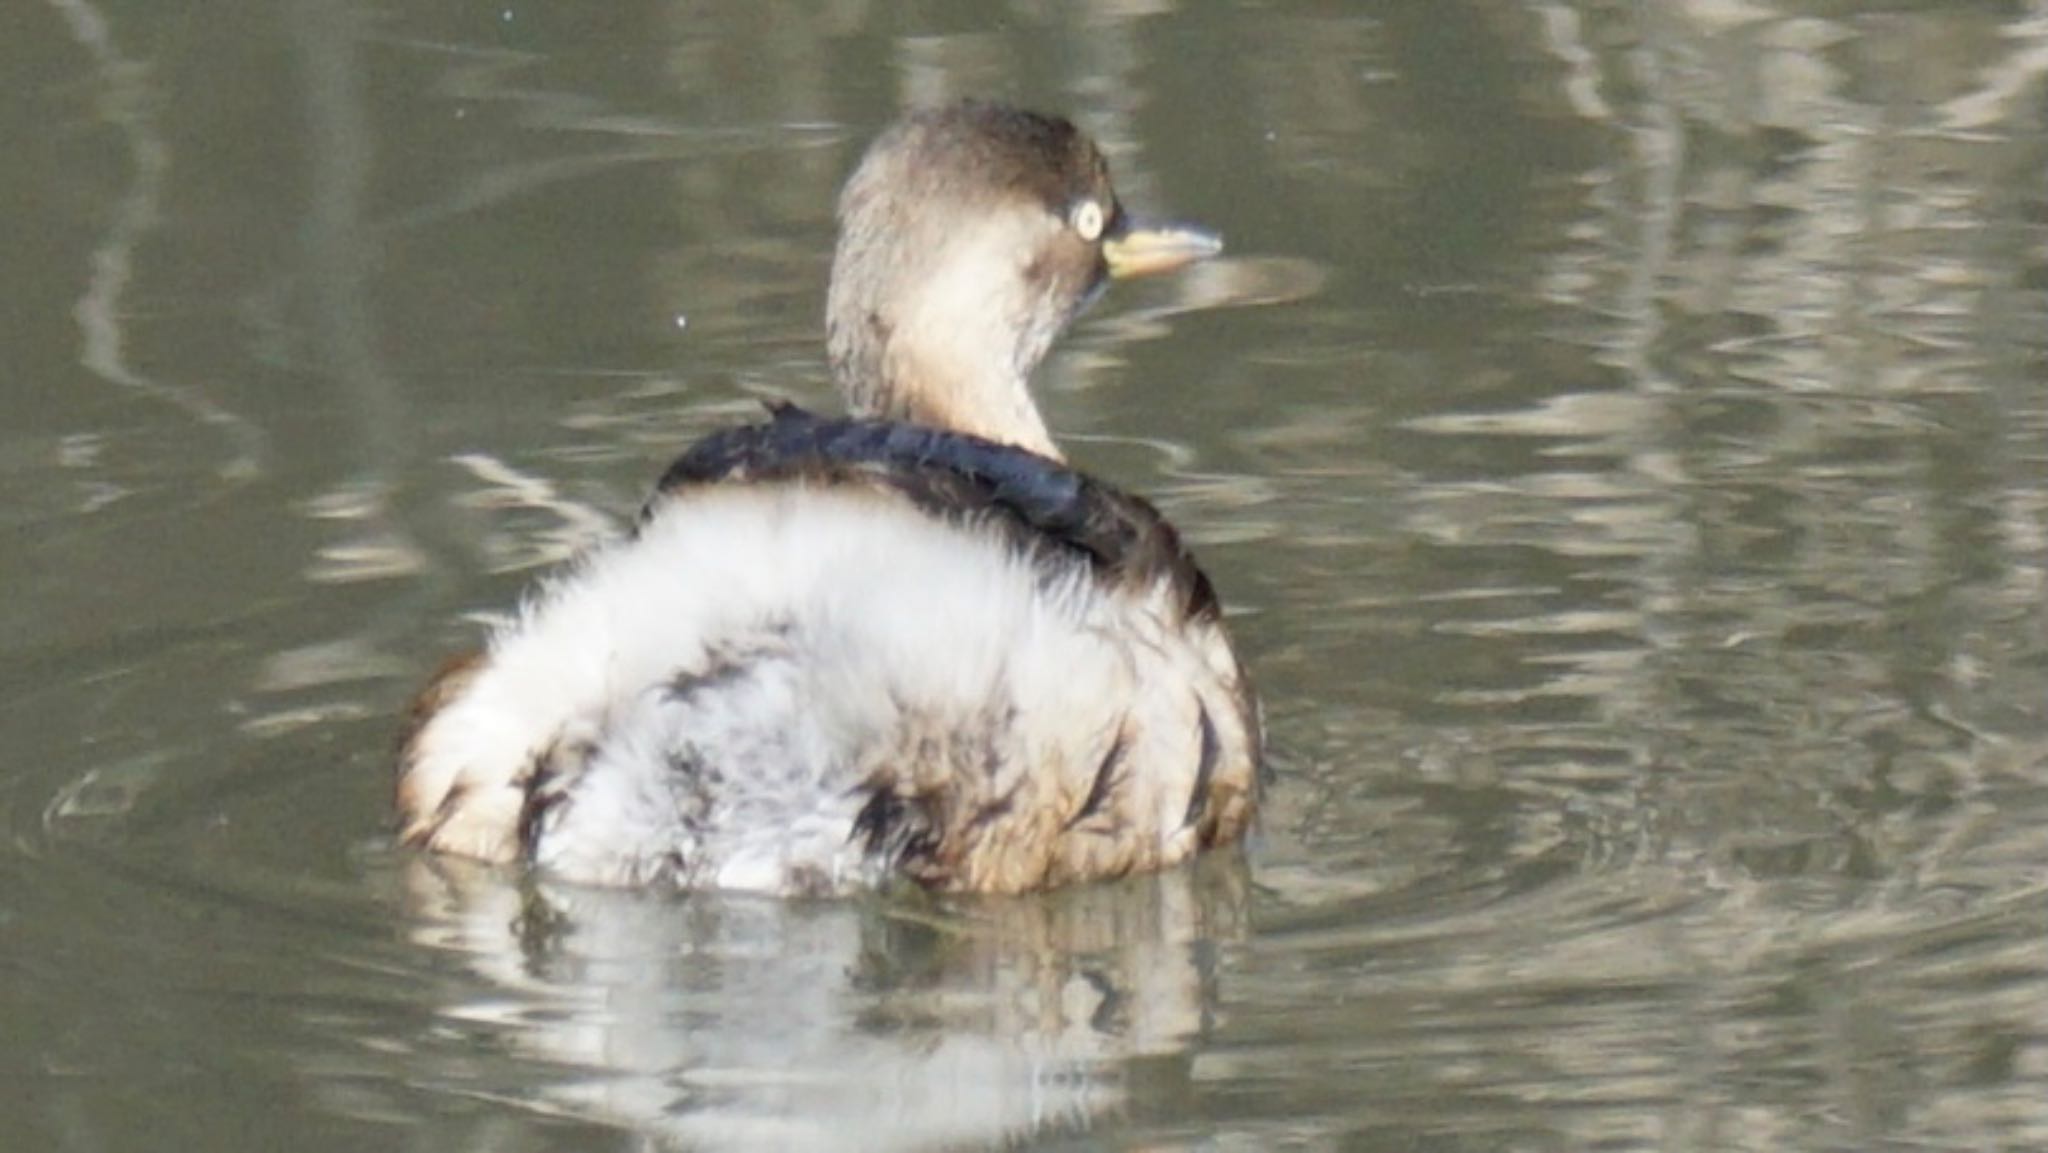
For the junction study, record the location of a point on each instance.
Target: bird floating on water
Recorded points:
(911, 643)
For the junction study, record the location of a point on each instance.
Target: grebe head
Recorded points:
(968, 238)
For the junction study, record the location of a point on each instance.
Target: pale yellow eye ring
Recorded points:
(1086, 219)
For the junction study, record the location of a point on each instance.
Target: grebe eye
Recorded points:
(1086, 219)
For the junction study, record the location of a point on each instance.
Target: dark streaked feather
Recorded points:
(1123, 537)
(546, 792)
(1205, 768)
(1106, 775)
(904, 830)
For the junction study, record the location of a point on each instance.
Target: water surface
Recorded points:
(1619, 432)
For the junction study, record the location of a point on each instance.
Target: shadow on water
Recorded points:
(1618, 431)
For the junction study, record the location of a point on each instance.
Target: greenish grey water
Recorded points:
(1620, 430)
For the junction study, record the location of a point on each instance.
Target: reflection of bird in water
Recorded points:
(910, 643)
(727, 1022)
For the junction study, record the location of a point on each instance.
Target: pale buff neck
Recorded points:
(949, 336)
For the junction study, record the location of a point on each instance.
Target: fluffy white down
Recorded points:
(888, 606)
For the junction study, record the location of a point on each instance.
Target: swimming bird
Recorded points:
(909, 644)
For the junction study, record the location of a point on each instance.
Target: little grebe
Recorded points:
(909, 643)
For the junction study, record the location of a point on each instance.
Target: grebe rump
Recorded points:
(909, 643)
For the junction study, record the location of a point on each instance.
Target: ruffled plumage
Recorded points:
(836, 652)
